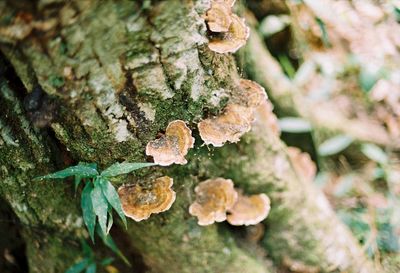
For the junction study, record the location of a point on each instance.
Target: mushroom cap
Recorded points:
(230, 126)
(254, 93)
(213, 198)
(218, 17)
(139, 203)
(173, 146)
(232, 40)
(249, 210)
(178, 131)
(302, 163)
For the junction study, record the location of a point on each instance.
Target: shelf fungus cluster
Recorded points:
(236, 118)
(217, 200)
(213, 198)
(173, 146)
(140, 202)
(229, 30)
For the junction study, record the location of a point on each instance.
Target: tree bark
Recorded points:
(114, 74)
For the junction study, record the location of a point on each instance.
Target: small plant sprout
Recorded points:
(99, 196)
(90, 263)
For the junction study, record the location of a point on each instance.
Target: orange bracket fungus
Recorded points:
(231, 31)
(213, 198)
(173, 146)
(230, 126)
(236, 118)
(249, 210)
(253, 93)
(140, 202)
(233, 39)
(218, 17)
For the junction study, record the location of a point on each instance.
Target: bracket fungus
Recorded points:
(140, 202)
(218, 17)
(230, 126)
(173, 146)
(236, 118)
(213, 198)
(233, 39)
(253, 93)
(249, 210)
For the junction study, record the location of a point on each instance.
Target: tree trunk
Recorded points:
(111, 76)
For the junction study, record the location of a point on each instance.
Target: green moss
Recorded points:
(56, 81)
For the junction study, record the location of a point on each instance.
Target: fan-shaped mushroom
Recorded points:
(213, 198)
(249, 210)
(219, 17)
(173, 146)
(230, 126)
(233, 39)
(253, 93)
(140, 202)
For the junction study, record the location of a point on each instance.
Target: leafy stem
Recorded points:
(99, 197)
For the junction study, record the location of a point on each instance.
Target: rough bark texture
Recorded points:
(114, 74)
(47, 212)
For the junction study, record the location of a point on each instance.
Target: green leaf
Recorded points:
(107, 261)
(78, 267)
(91, 268)
(112, 197)
(287, 66)
(109, 242)
(322, 26)
(78, 178)
(294, 125)
(334, 145)
(374, 153)
(368, 78)
(378, 173)
(91, 165)
(100, 205)
(110, 221)
(89, 216)
(124, 168)
(87, 250)
(82, 171)
(77, 181)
